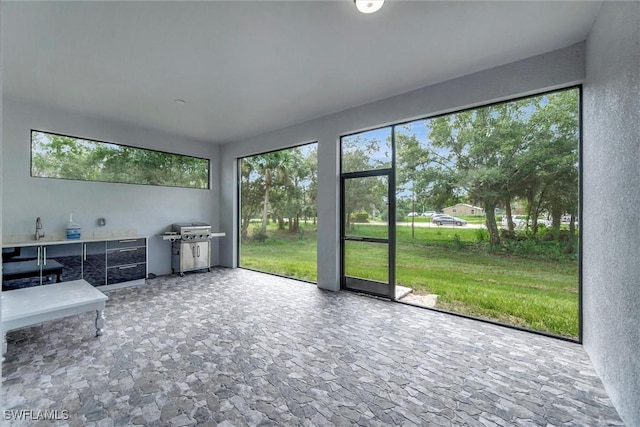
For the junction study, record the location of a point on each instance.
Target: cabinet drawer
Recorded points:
(125, 273)
(124, 256)
(125, 243)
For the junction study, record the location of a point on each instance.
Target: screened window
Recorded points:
(367, 150)
(278, 212)
(68, 157)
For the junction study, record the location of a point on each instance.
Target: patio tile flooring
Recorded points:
(237, 347)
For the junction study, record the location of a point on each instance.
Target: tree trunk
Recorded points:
(492, 227)
(265, 209)
(245, 227)
(507, 212)
(556, 219)
(280, 223)
(536, 213)
(572, 231)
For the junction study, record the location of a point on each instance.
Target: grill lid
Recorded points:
(191, 227)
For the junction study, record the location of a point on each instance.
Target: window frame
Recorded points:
(96, 141)
(540, 92)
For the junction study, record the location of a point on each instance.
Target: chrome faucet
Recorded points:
(39, 234)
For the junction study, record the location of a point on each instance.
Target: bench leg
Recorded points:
(99, 322)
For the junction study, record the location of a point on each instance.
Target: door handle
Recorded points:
(44, 257)
(38, 258)
(198, 251)
(84, 251)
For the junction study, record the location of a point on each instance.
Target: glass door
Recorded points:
(368, 209)
(367, 255)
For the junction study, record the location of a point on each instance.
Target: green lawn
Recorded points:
(535, 291)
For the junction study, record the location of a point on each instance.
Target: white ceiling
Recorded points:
(246, 67)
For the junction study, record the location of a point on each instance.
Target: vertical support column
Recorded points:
(328, 217)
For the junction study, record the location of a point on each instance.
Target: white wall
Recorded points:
(548, 71)
(611, 204)
(149, 210)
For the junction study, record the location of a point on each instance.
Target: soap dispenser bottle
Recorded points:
(73, 229)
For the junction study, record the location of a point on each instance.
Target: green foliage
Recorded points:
(458, 244)
(482, 235)
(281, 185)
(401, 216)
(359, 217)
(259, 235)
(57, 156)
(522, 151)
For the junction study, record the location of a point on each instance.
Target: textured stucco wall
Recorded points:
(547, 71)
(1, 154)
(611, 204)
(148, 209)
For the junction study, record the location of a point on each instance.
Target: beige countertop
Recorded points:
(20, 240)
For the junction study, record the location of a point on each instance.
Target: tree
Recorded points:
(57, 156)
(556, 157)
(274, 169)
(493, 155)
(360, 194)
(279, 184)
(252, 191)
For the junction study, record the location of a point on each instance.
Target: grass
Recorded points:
(536, 290)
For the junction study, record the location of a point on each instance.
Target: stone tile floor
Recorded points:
(237, 347)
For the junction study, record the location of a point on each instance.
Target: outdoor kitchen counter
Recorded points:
(60, 241)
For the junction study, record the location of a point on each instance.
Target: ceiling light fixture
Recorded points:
(180, 101)
(368, 6)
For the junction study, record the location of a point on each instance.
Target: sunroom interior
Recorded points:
(225, 80)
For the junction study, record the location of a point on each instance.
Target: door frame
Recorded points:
(363, 285)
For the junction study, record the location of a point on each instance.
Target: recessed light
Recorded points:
(368, 6)
(180, 101)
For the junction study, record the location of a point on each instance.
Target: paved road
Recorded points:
(430, 225)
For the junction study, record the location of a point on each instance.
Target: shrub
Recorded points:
(482, 235)
(400, 216)
(258, 235)
(458, 244)
(360, 217)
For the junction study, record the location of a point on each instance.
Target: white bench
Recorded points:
(30, 306)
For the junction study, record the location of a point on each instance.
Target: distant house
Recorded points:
(463, 209)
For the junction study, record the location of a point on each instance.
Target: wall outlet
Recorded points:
(102, 222)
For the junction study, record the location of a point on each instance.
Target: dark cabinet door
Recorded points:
(126, 273)
(21, 267)
(61, 263)
(126, 256)
(95, 263)
(42, 265)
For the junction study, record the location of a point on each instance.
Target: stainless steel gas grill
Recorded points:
(191, 246)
